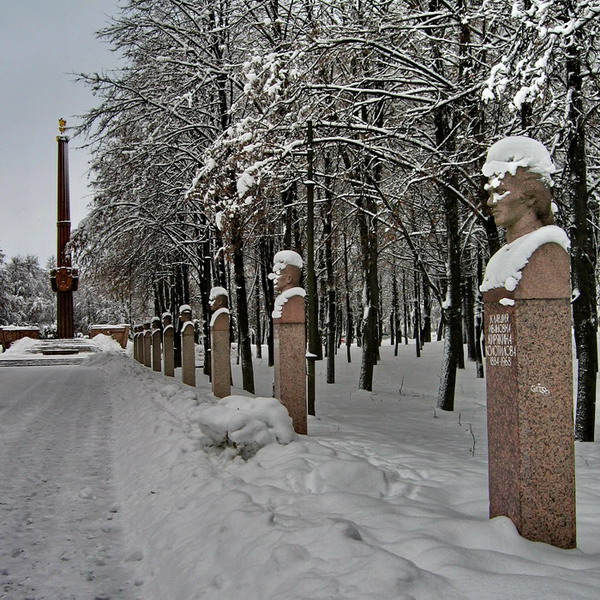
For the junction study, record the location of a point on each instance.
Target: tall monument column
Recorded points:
(64, 278)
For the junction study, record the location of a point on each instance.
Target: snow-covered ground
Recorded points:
(385, 499)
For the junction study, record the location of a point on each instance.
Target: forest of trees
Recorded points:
(26, 298)
(202, 161)
(25, 294)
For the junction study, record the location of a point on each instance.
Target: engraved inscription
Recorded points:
(499, 344)
(540, 389)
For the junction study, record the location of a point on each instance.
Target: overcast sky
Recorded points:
(42, 42)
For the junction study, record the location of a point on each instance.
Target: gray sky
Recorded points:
(42, 42)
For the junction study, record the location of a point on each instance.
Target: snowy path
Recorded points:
(58, 517)
(386, 499)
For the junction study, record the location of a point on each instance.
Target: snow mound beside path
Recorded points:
(382, 501)
(246, 423)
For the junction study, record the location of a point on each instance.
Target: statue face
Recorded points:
(512, 197)
(286, 278)
(218, 302)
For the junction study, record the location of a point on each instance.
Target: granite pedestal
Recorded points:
(530, 400)
(290, 361)
(168, 352)
(156, 350)
(220, 359)
(188, 355)
(147, 345)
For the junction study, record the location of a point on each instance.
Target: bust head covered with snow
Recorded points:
(287, 269)
(219, 298)
(185, 313)
(519, 171)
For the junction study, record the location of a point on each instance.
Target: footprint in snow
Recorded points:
(87, 493)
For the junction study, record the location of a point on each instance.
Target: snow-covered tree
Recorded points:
(27, 296)
(200, 152)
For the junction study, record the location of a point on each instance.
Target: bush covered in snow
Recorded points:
(246, 424)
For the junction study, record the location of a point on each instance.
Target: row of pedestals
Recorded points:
(154, 347)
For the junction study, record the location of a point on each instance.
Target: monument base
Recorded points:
(530, 416)
(220, 359)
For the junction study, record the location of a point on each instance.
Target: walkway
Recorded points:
(59, 536)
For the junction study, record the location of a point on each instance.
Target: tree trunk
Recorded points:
(258, 329)
(452, 311)
(583, 256)
(405, 308)
(349, 320)
(331, 295)
(469, 307)
(395, 313)
(242, 310)
(370, 338)
(205, 284)
(479, 322)
(416, 315)
(426, 325)
(266, 257)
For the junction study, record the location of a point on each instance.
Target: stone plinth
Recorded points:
(169, 356)
(220, 355)
(119, 333)
(11, 334)
(530, 400)
(156, 350)
(147, 346)
(188, 354)
(290, 360)
(137, 343)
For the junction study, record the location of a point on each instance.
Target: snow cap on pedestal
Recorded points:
(504, 269)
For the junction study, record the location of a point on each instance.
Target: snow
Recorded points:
(106, 343)
(244, 183)
(284, 258)
(218, 313)
(244, 424)
(217, 291)
(187, 325)
(21, 346)
(504, 268)
(509, 153)
(281, 260)
(283, 298)
(385, 499)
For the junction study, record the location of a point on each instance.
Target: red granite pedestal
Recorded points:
(10, 334)
(290, 361)
(168, 353)
(530, 400)
(147, 346)
(156, 349)
(220, 356)
(119, 333)
(188, 354)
